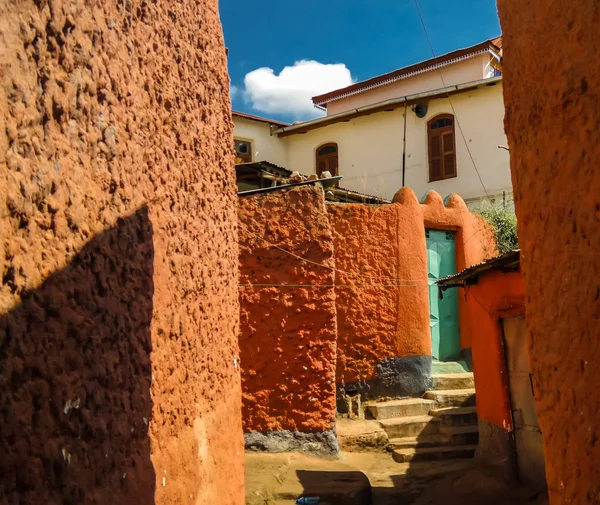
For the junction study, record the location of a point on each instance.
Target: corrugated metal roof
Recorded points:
(341, 195)
(508, 262)
(384, 79)
(258, 118)
(263, 166)
(350, 196)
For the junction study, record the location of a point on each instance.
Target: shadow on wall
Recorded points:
(75, 376)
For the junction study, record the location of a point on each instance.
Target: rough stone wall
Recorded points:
(384, 342)
(118, 293)
(288, 314)
(552, 126)
(384, 347)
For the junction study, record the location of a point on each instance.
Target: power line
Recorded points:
(450, 101)
(333, 269)
(247, 285)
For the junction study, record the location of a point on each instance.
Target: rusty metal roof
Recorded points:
(381, 80)
(508, 262)
(258, 118)
(252, 170)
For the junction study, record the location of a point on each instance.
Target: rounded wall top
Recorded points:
(455, 201)
(433, 198)
(405, 196)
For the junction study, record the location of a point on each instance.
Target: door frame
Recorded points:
(457, 234)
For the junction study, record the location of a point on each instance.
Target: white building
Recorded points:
(436, 125)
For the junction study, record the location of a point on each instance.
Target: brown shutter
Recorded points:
(442, 150)
(449, 154)
(435, 156)
(333, 165)
(327, 159)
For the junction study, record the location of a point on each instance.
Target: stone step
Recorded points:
(361, 435)
(400, 408)
(414, 426)
(462, 435)
(452, 397)
(433, 453)
(446, 381)
(444, 367)
(456, 416)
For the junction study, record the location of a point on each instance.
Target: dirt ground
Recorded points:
(278, 479)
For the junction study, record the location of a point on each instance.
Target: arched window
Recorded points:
(327, 159)
(442, 148)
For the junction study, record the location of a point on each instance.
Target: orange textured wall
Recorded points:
(288, 314)
(377, 318)
(552, 98)
(118, 271)
(382, 303)
(496, 295)
(474, 242)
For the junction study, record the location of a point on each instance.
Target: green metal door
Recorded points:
(443, 314)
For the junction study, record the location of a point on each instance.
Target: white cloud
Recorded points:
(233, 91)
(290, 92)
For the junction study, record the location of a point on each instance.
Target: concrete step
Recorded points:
(434, 453)
(463, 380)
(462, 435)
(400, 408)
(361, 435)
(452, 397)
(444, 367)
(456, 416)
(414, 426)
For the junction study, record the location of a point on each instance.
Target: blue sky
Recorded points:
(340, 41)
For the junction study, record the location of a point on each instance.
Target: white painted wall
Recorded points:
(370, 148)
(369, 152)
(470, 70)
(481, 116)
(265, 147)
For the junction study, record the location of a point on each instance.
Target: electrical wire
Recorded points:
(332, 285)
(412, 282)
(450, 101)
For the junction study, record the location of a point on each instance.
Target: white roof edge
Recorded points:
(392, 102)
(407, 75)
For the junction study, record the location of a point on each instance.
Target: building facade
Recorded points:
(437, 125)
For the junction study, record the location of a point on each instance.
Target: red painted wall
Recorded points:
(552, 98)
(118, 271)
(288, 314)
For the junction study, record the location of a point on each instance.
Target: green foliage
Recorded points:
(503, 221)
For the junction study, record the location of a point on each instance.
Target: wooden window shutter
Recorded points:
(327, 159)
(442, 150)
(449, 154)
(435, 157)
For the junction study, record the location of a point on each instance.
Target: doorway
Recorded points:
(443, 313)
(528, 436)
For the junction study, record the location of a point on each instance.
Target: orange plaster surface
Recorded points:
(496, 295)
(552, 98)
(383, 304)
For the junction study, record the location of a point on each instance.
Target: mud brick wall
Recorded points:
(552, 127)
(384, 341)
(118, 268)
(288, 321)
